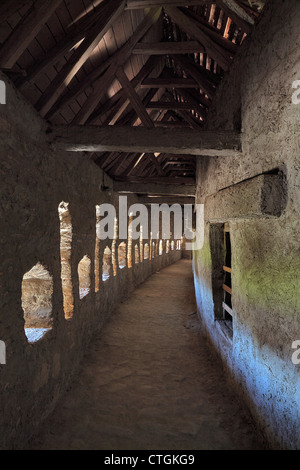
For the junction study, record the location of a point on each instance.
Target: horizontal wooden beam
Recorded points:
(140, 4)
(170, 105)
(143, 140)
(170, 200)
(169, 83)
(165, 48)
(155, 189)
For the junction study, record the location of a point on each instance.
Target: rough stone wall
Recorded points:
(34, 182)
(256, 99)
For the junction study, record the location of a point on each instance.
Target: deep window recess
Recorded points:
(227, 287)
(220, 246)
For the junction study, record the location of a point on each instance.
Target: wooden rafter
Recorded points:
(110, 11)
(193, 29)
(25, 31)
(134, 98)
(120, 58)
(119, 98)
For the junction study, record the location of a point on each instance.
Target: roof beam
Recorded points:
(159, 189)
(144, 140)
(25, 31)
(110, 11)
(169, 83)
(118, 100)
(120, 58)
(198, 73)
(140, 4)
(237, 14)
(191, 27)
(175, 105)
(134, 98)
(74, 33)
(101, 76)
(165, 48)
(170, 200)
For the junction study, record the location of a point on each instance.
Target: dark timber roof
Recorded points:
(124, 63)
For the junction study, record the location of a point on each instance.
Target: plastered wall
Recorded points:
(256, 99)
(34, 181)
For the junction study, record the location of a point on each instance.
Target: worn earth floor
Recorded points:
(149, 382)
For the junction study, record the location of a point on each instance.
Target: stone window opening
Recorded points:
(37, 291)
(84, 276)
(168, 246)
(146, 251)
(136, 254)
(106, 264)
(65, 256)
(122, 255)
(160, 250)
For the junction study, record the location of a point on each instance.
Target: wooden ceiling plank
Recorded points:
(75, 33)
(141, 139)
(120, 58)
(25, 31)
(191, 27)
(111, 10)
(7, 7)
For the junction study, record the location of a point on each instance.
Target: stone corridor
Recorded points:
(149, 381)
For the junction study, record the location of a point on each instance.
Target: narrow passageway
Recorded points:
(150, 382)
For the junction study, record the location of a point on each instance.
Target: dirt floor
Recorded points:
(150, 382)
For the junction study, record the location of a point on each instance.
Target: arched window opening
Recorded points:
(172, 245)
(84, 276)
(106, 264)
(153, 250)
(37, 290)
(146, 251)
(160, 251)
(168, 246)
(136, 254)
(122, 255)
